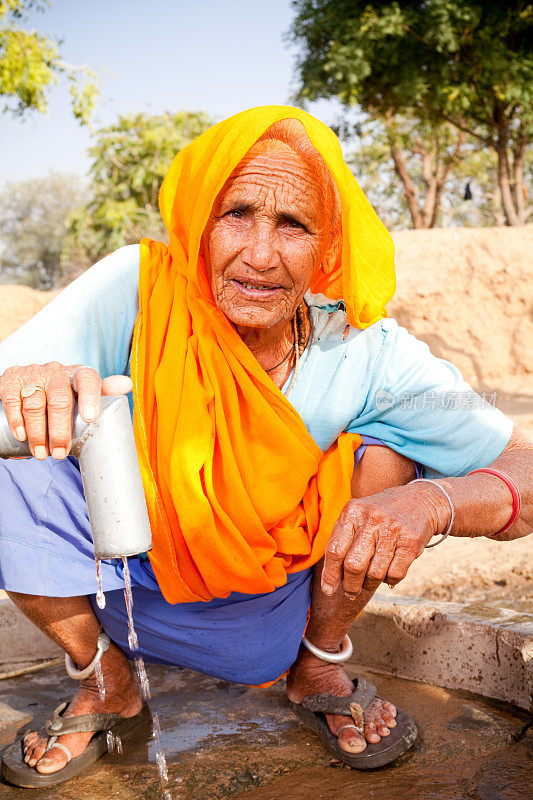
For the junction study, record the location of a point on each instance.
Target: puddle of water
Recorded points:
(385, 784)
(467, 749)
(514, 598)
(504, 616)
(214, 727)
(224, 741)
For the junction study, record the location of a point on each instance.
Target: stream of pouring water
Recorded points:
(114, 741)
(100, 681)
(100, 596)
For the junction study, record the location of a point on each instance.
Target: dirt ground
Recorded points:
(468, 293)
(226, 741)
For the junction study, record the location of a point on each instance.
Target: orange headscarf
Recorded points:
(238, 492)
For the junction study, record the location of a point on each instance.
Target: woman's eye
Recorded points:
(234, 213)
(294, 224)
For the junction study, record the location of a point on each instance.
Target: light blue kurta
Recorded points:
(380, 381)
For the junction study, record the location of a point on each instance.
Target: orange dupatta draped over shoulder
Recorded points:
(238, 492)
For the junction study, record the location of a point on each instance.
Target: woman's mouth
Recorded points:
(257, 291)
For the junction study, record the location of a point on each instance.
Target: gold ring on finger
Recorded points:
(30, 388)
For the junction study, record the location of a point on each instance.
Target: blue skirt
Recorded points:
(46, 549)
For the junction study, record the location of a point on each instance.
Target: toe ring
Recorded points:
(350, 725)
(52, 742)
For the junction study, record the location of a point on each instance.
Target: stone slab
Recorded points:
(20, 640)
(11, 720)
(475, 648)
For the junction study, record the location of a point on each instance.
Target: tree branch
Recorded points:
(485, 139)
(417, 36)
(401, 171)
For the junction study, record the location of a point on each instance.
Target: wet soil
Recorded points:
(231, 741)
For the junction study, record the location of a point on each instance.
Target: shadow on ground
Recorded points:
(230, 741)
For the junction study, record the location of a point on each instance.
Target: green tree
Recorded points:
(30, 64)
(34, 216)
(422, 156)
(129, 162)
(372, 163)
(466, 63)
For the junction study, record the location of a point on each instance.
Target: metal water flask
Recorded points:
(111, 477)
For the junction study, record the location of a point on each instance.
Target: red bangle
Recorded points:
(513, 488)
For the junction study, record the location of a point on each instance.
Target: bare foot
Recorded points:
(309, 675)
(121, 697)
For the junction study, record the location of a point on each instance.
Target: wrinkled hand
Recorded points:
(45, 417)
(377, 538)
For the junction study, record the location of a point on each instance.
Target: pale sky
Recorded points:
(220, 56)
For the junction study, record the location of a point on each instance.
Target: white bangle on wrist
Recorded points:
(452, 509)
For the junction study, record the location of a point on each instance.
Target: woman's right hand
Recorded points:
(44, 417)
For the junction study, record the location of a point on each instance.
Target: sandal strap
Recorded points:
(85, 723)
(332, 704)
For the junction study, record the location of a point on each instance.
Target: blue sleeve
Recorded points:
(90, 322)
(421, 406)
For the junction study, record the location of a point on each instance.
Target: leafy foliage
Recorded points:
(129, 162)
(468, 62)
(34, 215)
(30, 65)
(372, 164)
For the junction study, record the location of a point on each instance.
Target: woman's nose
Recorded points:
(260, 251)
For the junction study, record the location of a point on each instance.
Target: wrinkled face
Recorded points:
(265, 237)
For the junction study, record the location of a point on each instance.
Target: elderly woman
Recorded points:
(263, 367)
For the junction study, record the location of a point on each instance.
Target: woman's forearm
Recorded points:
(377, 538)
(483, 503)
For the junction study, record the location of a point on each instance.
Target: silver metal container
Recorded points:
(111, 477)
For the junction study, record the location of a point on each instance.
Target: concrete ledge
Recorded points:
(20, 640)
(476, 648)
(484, 650)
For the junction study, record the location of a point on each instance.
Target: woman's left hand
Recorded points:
(377, 538)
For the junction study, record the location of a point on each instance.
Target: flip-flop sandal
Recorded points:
(15, 771)
(312, 712)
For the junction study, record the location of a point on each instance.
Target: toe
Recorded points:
(388, 715)
(381, 725)
(351, 740)
(34, 752)
(27, 749)
(54, 760)
(371, 734)
(382, 716)
(389, 708)
(30, 738)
